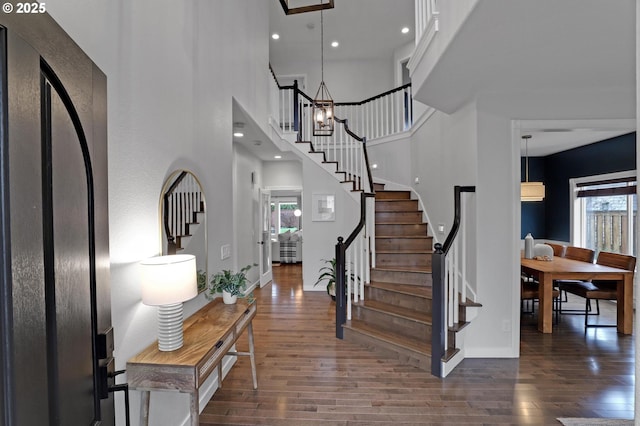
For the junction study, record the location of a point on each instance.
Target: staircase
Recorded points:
(395, 317)
(393, 314)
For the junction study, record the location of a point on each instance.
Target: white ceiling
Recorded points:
(565, 69)
(364, 28)
(598, 45)
(254, 139)
(552, 136)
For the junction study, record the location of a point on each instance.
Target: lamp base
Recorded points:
(170, 320)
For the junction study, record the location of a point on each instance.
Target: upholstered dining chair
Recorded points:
(601, 289)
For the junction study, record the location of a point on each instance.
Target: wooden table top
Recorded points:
(201, 330)
(563, 265)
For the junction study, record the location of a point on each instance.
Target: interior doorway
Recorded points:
(287, 220)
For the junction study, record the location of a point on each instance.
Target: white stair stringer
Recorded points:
(303, 149)
(449, 365)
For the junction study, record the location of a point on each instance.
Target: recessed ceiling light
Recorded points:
(238, 134)
(335, 44)
(405, 30)
(277, 157)
(374, 166)
(275, 36)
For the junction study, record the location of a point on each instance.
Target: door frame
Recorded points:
(264, 217)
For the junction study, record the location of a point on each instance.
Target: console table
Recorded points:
(208, 336)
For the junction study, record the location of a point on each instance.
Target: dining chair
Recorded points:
(558, 249)
(574, 253)
(579, 253)
(601, 289)
(530, 292)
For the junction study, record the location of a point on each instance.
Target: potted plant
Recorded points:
(231, 284)
(202, 280)
(328, 273)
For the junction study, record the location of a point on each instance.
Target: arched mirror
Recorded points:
(183, 220)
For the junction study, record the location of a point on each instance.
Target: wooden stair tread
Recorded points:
(411, 289)
(397, 311)
(424, 237)
(471, 303)
(401, 211)
(404, 251)
(423, 269)
(423, 348)
(450, 352)
(459, 326)
(400, 223)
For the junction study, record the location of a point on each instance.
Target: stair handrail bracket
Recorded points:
(449, 284)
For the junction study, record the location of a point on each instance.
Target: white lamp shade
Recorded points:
(169, 279)
(531, 191)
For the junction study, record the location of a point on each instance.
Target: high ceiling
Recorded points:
(369, 29)
(364, 28)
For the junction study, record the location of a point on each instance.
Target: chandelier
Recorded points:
(530, 191)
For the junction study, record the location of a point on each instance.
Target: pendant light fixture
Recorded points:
(322, 111)
(530, 191)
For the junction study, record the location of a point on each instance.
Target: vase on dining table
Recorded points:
(528, 246)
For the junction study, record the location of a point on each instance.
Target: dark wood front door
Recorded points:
(55, 265)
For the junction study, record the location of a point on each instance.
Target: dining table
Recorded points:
(546, 270)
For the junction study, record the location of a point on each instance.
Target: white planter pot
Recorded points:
(228, 299)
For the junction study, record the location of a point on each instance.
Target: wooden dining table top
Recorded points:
(558, 265)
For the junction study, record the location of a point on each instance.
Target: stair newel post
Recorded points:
(341, 298)
(296, 112)
(438, 310)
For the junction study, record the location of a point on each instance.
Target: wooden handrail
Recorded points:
(373, 98)
(457, 191)
(341, 250)
(439, 290)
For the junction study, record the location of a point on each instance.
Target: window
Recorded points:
(284, 216)
(605, 211)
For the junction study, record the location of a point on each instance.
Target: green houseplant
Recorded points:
(231, 284)
(202, 280)
(328, 274)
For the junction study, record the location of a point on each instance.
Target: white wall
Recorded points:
(282, 174)
(320, 238)
(443, 154)
(347, 81)
(171, 77)
(246, 208)
(497, 236)
(473, 147)
(392, 158)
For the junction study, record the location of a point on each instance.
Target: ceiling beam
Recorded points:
(303, 9)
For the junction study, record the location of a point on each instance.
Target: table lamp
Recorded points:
(167, 281)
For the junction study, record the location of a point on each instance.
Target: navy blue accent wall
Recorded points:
(612, 155)
(532, 212)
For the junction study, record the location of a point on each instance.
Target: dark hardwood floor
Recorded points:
(308, 377)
